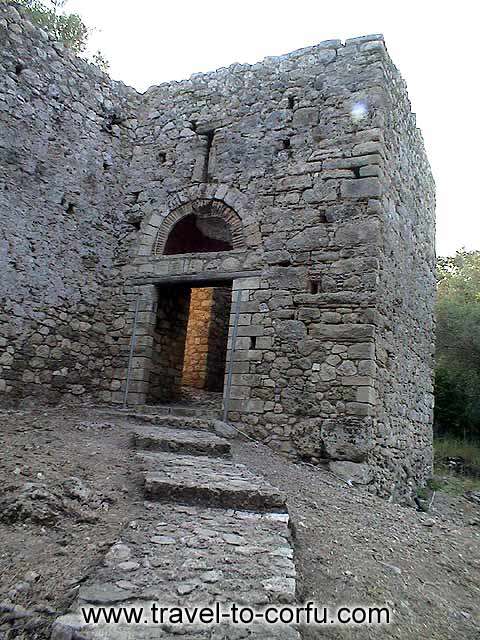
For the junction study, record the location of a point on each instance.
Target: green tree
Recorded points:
(457, 388)
(67, 28)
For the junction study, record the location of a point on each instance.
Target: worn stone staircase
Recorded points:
(211, 532)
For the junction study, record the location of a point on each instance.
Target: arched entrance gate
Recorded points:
(191, 265)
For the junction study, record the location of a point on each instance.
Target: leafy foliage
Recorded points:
(457, 389)
(100, 61)
(67, 28)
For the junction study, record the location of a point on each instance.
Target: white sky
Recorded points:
(432, 42)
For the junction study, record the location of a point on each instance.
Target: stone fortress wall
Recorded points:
(314, 163)
(66, 140)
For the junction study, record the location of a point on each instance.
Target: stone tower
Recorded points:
(299, 185)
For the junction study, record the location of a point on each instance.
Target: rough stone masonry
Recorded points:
(301, 182)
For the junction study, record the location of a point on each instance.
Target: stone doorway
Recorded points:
(190, 343)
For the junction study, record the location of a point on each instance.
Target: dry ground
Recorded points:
(351, 548)
(59, 528)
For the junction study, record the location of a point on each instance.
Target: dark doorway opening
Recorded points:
(190, 342)
(196, 234)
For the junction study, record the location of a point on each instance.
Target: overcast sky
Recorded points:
(433, 43)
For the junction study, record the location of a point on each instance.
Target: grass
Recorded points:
(457, 485)
(447, 480)
(448, 447)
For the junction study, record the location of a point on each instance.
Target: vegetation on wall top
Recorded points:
(67, 28)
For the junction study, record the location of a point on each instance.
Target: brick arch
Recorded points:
(207, 207)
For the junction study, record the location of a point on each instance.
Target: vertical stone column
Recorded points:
(243, 351)
(142, 352)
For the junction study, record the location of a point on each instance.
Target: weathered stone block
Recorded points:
(352, 471)
(347, 332)
(350, 234)
(305, 116)
(361, 350)
(323, 191)
(312, 238)
(344, 451)
(358, 409)
(286, 277)
(294, 182)
(368, 147)
(366, 394)
(361, 188)
(290, 330)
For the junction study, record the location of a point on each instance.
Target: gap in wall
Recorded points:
(190, 343)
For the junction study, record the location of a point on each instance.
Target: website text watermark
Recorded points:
(307, 614)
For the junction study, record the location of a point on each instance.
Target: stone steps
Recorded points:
(203, 480)
(191, 556)
(178, 411)
(176, 422)
(211, 532)
(194, 442)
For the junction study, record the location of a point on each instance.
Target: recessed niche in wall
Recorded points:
(69, 207)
